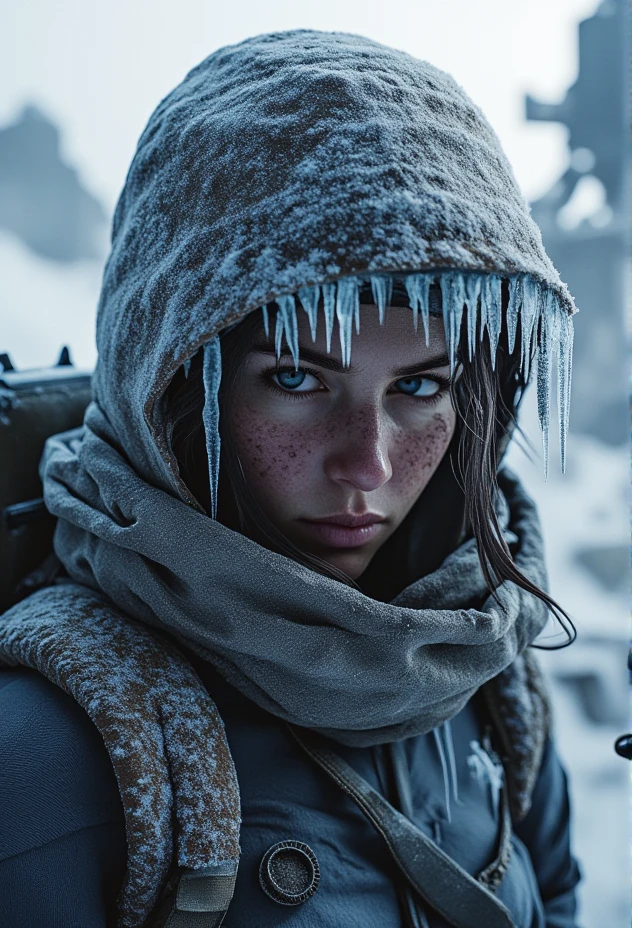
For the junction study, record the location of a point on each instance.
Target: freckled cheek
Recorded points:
(418, 453)
(275, 456)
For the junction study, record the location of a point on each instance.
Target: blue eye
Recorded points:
(419, 386)
(292, 379)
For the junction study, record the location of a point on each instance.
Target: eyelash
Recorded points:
(266, 375)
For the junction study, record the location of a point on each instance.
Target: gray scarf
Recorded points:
(306, 648)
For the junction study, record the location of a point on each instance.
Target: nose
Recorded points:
(360, 453)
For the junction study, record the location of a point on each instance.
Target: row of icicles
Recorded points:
(538, 308)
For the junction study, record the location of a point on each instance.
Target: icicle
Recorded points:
(418, 289)
(309, 297)
(452, 300)
(483, 306)
(382, 289)
(278, 334)
(187, 367)
(531, 312)
(329, 302)
(472, 295)
(211, 376)
(266, 321)
(445, 282)
(287, 306)
(444, 769)
(516, 297)
(565, 364)
(543, 393)
(410, 282)
(550, 309)
(347, 299)
(493, 312)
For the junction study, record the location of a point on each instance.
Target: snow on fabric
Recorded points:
(164, 735)
(294, 160)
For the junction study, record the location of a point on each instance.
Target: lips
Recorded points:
(348, 519)
(345, 531)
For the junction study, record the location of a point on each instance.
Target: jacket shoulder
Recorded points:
(56, 774)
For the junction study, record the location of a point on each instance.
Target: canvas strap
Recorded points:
(197, 898)
(460, 898)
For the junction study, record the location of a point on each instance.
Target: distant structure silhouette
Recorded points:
(42, 200)
(584, 222)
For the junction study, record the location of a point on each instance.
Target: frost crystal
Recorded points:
(329, 302)
(493, 299)
(483, 767)
(266, 321)
(472, 296)
(382, 289)
(516, 295)
(278, 334)
(309, 297)
(544, 377)
(531, 310)
(347, 305)
(418, 289)
(565, 365)
(287, 309)
(452, 302)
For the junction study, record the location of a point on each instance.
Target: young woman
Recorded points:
(284, 677)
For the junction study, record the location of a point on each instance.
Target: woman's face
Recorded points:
(327, 442)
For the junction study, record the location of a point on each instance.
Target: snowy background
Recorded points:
(78, 82)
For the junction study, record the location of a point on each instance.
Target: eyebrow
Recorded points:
(332, 364)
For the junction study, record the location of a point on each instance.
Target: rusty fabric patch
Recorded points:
(162, 731)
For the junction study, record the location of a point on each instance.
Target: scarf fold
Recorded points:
(304, 647)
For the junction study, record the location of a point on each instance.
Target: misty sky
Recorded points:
(99, 69)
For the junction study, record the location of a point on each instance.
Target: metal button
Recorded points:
(289, 872)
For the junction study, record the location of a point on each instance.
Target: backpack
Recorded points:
(34, 404)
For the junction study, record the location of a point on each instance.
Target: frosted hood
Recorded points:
(297, 159)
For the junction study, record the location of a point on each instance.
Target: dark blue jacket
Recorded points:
(62, 840)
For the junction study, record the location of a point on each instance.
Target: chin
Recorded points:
(351, 563)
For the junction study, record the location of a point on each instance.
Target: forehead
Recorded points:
(394, 341)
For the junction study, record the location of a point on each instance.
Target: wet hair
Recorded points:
(486, 399)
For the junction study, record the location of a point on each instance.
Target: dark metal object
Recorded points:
(289, 872)
(623, 746)
(34, 405)
(14, 517)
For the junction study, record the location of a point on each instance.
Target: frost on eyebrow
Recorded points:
(545, 325)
